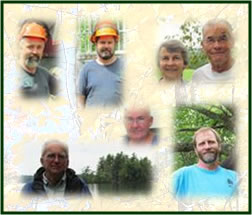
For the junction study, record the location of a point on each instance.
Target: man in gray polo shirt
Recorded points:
(36, 80)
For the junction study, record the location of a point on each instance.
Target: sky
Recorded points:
(81, 155)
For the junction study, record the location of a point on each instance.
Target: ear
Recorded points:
(232, 42)
(196, 152)
(151, 121)
(41, 161)
(202, 46)
(67, 163)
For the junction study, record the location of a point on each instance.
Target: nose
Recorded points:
(217, 44)
(170, 62)
(35, 50)
(134, 124)
(56, 158)
(207, 145)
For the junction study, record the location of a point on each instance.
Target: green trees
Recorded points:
(191, 38)
(88, 175)
(120, 170)
(188, 119)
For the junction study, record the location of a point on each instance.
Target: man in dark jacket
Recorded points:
(54, 177)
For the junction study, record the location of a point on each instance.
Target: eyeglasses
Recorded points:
(221, 39)
(139, 120)
(53, 156)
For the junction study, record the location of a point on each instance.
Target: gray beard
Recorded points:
(32, 61)
(209, 157)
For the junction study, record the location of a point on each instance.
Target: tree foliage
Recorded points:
(189, 119)
(120, 169)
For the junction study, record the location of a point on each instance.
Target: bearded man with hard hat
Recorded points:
(100, 80)
(36, 80)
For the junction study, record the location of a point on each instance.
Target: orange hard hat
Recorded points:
(33, 30)
(104, 28)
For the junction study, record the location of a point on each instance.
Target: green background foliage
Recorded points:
(191, 38)
(120, 169)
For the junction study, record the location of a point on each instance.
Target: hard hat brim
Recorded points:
(107, 31)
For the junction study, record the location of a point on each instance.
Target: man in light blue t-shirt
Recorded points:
(100, 80)
(206, 178)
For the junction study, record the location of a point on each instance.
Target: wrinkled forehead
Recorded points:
(205, 135)
(137, 113)
(55, 149)
(216, 30)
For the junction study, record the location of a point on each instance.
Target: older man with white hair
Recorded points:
(138, 122)
(54, 178)
(217, 44)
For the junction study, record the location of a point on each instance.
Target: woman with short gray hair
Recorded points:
(172, 59)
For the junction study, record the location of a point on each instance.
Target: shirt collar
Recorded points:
(46, 181)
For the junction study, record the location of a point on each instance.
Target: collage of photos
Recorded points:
(125, 107)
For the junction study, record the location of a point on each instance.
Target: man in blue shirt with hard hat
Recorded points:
(100, 80)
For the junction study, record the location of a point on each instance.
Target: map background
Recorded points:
(34, 122)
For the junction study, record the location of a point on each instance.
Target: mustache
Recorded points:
(33, 57)
(105, 49)
(210, 151)
(32, 61)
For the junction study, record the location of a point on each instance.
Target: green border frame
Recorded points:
(126, 2)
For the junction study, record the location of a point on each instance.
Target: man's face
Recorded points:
(207, 147)
(105, 47)
(171, 64)
(31, 51)
(54, 160)
(138, 123)
(217, 44)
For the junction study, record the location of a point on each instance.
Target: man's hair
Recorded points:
(214, 22)
(48, 143)
(133, 108)
(173, 46)
(203, 129)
